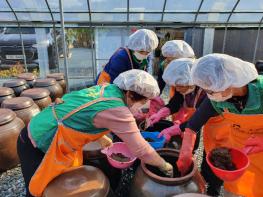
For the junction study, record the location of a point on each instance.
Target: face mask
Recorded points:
(135, 109)
(188, 91)
(218, 97)
(139, 56)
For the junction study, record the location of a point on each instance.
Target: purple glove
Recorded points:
(171, 131)
(161, 114)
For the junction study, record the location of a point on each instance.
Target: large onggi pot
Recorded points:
(18, 85)
(10, 127)
(147, 181)
(6, 93)
(39, 95)
(24, 107)
(60, 79)
(79, 182)
(29, 77)
(92, 156)
(50, 84)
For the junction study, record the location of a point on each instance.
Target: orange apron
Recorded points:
(105, 77)
(65, 151)
(185, 113)
(235, 129)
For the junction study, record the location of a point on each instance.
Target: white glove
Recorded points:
(167, 169)
(105, 141)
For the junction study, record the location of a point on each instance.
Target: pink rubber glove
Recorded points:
(256, 144)
(161, 114)
(171, 131)
(155, 105)
(185, 157)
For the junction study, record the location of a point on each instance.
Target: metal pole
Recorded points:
(224, 40)
(20, 34)
(164, 6)
(64, 42)
(194, 27)
(256, 45)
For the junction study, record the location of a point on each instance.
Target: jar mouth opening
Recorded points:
(171, 156)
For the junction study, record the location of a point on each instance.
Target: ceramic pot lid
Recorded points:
(45, 82)
(4, 91)
(36, 93)
(17, 103)
(57, 76)
(27, 76)
(14, 83)
(6, 116)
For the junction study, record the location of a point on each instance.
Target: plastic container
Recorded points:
(239, 158)
(157, 142)
(119, 147)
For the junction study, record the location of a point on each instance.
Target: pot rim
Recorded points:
(166, 180)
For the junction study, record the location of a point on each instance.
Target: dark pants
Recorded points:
(213, 182)
(30, 157)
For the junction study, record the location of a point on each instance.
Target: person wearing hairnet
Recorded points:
(140, 44)
(232, 115)
(173, 49)
(186, 99)
(53, 140)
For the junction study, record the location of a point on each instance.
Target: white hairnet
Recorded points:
(178, 72)
(138, 81)
(177, 49)
(217, 72)
(143, 40)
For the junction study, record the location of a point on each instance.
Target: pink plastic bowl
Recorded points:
(119, 147)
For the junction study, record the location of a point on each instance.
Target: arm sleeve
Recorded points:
(175, 102)
(122, 123)
(161, 82)
(201, 116)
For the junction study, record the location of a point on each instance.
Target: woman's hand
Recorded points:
(105, 141)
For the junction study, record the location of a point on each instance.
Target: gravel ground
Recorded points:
(12, 183)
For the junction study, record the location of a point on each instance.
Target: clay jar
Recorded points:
(79, 182)
(29, 77)
(10, 127)
(149, 181)
(50, 84)
(60, 79)
(18, 85)
(39, 95)
(24, 107)
(6, 93)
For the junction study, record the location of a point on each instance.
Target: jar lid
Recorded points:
(14, 83)
(4, 91)
(6, 116)
(36, 93)
(27, 76)
(45, 82)
(17, 103)
(57, 76)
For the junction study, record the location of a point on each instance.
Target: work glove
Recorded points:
(155, 105)
(171, 131)
(167, 169)
(185, 157)
(256, 144)
(105, 141)
(161, 114)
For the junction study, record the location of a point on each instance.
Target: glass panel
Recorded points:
(69, 17)
(251, 5)
(245, 17)
(98, 17)
(69, 5)
(28, 5)
(218, 5)
(179, 17)
(33, 17)
(145, 17)
(182, 5)
(106, 5)
(212, 17)
(4, 6)
(146, 5)
(7, 16)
